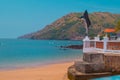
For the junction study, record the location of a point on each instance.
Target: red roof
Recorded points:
(108, 30)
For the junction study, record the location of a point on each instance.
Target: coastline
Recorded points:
(57, 71)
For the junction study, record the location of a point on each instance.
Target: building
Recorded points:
(100, 58)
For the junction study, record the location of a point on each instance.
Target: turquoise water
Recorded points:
(109, 78)
(15, 53)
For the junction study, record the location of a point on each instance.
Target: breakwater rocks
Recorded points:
(73, 46)
(95, 65)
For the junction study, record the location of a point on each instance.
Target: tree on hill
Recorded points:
(117, 27)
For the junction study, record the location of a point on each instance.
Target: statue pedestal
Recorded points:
(86, 38)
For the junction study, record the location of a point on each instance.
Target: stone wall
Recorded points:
(86, 67)
(95, 65)
(98, 62)
(112, 62)
(92, 63)
(93, 57)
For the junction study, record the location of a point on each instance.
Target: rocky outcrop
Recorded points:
(73, 46)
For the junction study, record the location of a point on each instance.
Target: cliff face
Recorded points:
(69, 27)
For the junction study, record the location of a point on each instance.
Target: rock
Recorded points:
(73, 46)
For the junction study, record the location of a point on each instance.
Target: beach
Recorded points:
(36, 59)
(46, 72)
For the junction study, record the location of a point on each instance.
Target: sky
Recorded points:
(19, 17)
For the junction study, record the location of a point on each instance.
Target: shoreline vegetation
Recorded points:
(48, 72)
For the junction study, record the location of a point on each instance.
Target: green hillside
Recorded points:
(69, 27)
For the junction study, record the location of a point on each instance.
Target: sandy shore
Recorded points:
(49, 72)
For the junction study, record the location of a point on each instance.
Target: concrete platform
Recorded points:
(76, 75)
(95, 65)
(86, 67)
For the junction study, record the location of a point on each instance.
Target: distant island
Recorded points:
(69, 27)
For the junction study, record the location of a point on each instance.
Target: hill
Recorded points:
(69, 27)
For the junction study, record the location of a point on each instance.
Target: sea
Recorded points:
(21, 53)
(24, 53)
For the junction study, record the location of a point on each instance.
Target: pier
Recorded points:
(100, 59)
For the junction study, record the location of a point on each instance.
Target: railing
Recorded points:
(104, 45)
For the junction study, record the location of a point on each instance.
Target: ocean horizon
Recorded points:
(22, 53)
